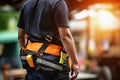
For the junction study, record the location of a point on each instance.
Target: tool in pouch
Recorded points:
(29, 59)
(62, 57)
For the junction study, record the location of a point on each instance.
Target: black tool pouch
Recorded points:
(48, 62)
(46, 58)
(23, 57)
(45, 62)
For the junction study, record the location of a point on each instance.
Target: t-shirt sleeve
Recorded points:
(21, 23)
(61, 14)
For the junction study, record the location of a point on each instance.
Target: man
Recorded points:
(39, 17)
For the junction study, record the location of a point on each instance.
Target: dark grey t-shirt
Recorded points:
(39, 17)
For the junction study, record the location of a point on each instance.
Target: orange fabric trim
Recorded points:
(33, 46)
(51, 48)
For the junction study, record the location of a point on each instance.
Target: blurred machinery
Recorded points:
(99, 27)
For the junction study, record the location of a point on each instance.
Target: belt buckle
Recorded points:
(48, 38)
(39, 54)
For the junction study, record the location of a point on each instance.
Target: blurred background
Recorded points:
(95, 26)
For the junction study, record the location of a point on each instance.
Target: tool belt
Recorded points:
(45, 56)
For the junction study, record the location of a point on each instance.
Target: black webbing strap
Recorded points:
(48, 39)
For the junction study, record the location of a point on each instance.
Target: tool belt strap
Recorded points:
(50, 64)
(50, 48)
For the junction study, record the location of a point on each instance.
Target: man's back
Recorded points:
(40, 17)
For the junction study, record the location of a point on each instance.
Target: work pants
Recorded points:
(32, 74)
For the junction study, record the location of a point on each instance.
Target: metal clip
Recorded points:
(48, 38)
(39, 54)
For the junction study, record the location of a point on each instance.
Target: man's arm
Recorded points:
(21, 37)
(68, 43)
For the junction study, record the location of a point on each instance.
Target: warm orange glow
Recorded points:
(106, 20)
(81, 15)
(101, 16)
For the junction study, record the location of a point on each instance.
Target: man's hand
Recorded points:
(74, 71)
